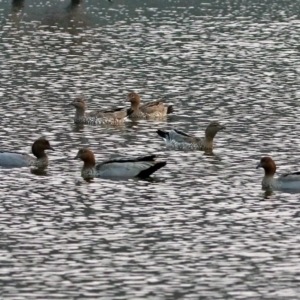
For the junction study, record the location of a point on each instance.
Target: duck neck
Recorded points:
(135, 106)
(270, 171)
(208, 142)
(209, 137)
(80, 113)
(90, 163)
(269, 182)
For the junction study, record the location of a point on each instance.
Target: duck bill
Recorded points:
(76, 157)
(51, 148)
(258, 166)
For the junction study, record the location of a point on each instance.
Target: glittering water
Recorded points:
(202, 228)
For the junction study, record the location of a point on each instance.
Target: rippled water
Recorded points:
(202, 228)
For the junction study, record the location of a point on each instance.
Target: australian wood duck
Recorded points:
(286, 181)
(155, 109)
(99, 117)
(179, 140)
(126, 167)
(12, 159)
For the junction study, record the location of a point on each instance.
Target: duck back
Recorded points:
(14, 159)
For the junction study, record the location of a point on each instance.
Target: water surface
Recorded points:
(202, 228)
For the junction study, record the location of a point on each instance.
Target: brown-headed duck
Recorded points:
(286, 181)
(11, 159)
(126, 167)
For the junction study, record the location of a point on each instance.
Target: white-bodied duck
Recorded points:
(285, 181)
(11, 159)
(127, 167)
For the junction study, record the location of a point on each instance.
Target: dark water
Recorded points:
(202, 228)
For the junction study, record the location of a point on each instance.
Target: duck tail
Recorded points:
(146, 173)
(170, 109)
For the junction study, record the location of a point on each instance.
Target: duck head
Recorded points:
(134, 99)
(39, 146)
(87, 156)
(212, 129)
(268, 164)
(80, 106)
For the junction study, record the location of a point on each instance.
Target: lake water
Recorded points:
(202, 228)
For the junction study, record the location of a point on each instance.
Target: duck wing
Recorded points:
(152, 107)
(178, 136)
(113, 113)
(291, 177)
(129, 167)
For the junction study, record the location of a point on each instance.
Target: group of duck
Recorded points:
(142, 166)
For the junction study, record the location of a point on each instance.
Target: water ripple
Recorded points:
(202, 225)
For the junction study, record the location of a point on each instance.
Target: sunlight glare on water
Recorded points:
(201, 227)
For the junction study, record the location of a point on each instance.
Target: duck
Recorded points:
(11, 159)
(155, 109)
(285, 181)
(101, 117)
(179, 140)
(124, 167)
